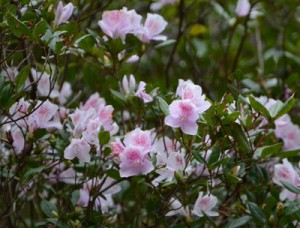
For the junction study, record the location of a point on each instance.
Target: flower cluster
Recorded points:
(87, 122)
(134, 153)
(119, 23)
(185, 112)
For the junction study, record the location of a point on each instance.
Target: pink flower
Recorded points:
(205, 204)
(139, 138)
(188, 90)
(18, 138)
(78, 148)
(153, 26)
(142, 94)
(119, 23)
(285, 172)
(242, 8)
(183, 114)
(63, 13)
(43, 115)
(134, 161)
(117, 147)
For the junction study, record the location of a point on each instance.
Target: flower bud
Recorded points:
(279, 208)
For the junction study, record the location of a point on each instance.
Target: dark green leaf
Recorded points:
(22, 76)
(289, 153)
(33, 171)
(113, 173)
(259, 108)
(230, 118)
(215, 154)
(199, 158)
(103, 137)
(286, 107)
(39, 29)
(257, 213)
(266, 151)
(238, 222)
(17, 27)
(291, 207)
(240, 137)
(290, 187)
(47, 208)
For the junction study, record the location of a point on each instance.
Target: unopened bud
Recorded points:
(279, 208)
(235, 170)
(54, 214)
(272, 219)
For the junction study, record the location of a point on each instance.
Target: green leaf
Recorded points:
(163, 105)
(238, 222)
(218, 163)
(30, 172)
(257, 213)
(47, 208)
(291, 207)
(240, 137)
(286, 107)
(17, 27)
(230, 118)
(289, 153)
(199, 158)
(103, 137)
(276, 108)
(290, 187)
(22, 76)
(40, 29)
(259, 108)
(233, 179)
(267, 151)
(75, 197)
(165, 43)
(215, 154)
(5, 95)
(119, 95)
(113, 173)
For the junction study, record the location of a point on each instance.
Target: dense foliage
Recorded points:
(149, 113)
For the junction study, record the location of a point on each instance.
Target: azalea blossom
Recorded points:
(63, 13)
(183, 114)
(188, 90)
(286, 172)
(205, 204)
(134, 161)
(153, 26)
(177, 208)
(78, 148)
(119, 23)
(242, 8)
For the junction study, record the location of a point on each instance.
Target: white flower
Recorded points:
(205, 204)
